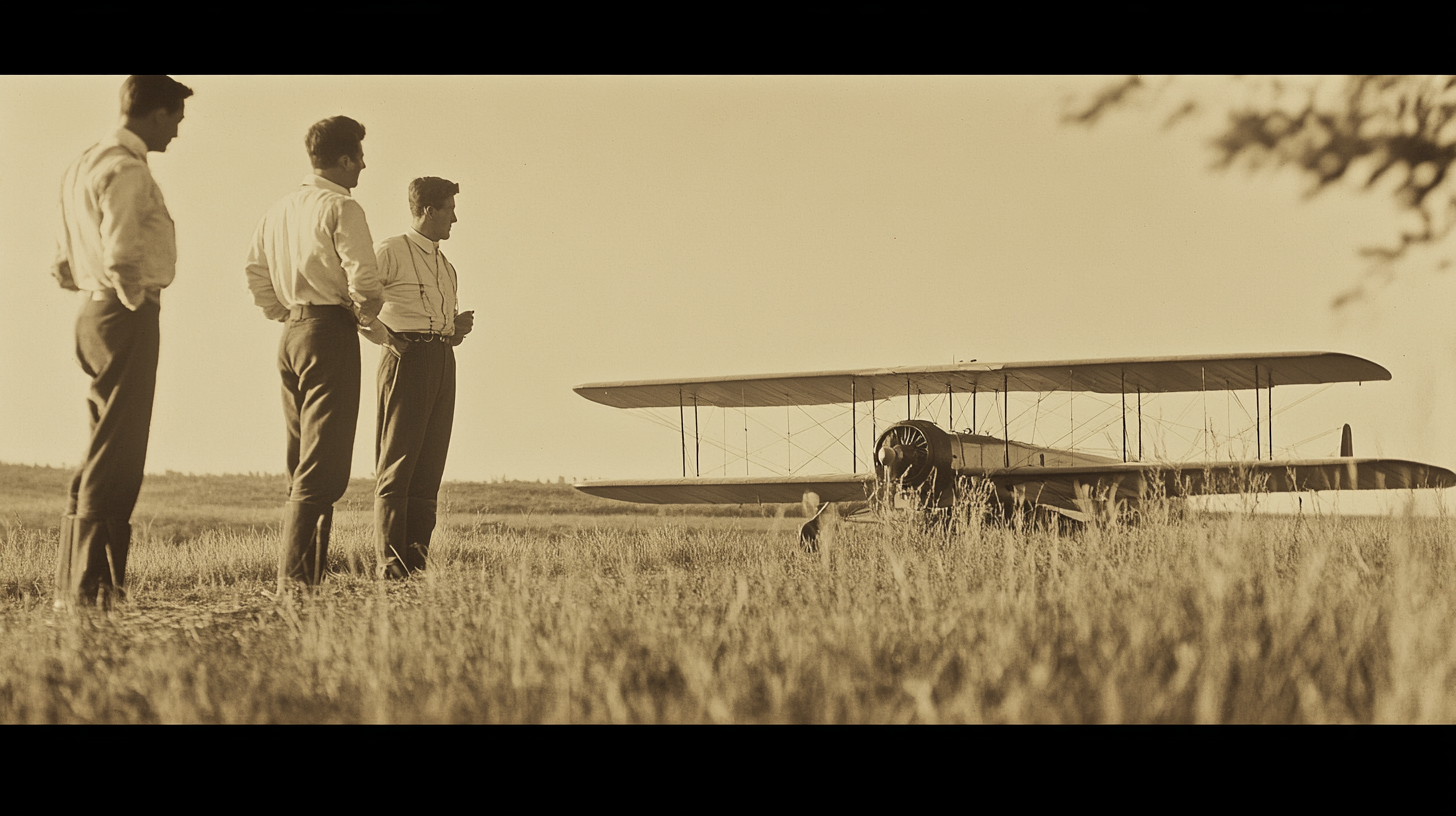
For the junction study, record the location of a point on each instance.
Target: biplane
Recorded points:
(918, 464)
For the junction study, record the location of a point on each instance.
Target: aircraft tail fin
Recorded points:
(1347, 442)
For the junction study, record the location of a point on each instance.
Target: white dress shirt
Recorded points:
(116, 233)
(313, 247)
(420, 285)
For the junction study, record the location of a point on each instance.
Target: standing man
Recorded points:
(418, 328)
(312, 267)
(117, 245)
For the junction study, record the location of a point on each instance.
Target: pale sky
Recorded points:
(616, 228)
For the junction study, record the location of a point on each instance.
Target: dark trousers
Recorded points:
(412, 439)
(318, 360)
(118, 349)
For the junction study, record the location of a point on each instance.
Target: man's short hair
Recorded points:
(430, 192)
(332, 139)
(140, 95)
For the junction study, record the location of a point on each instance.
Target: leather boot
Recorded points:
(92, 564)
(66, 594)
(420, 525)
(298, 561)
(390, 514)
(63, 560)
(321, 545)
(112, 587)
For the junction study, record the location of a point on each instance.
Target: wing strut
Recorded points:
(1124, 416)
(1140, 423)
(682, 427)
(1258, 419)
(1203, 378)
(1071, 411)
(1006, 420)
(853, 426)
(744, 400)
(697, 441)
(950, 398)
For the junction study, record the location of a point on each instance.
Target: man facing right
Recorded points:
(312, 267)
(418, 327)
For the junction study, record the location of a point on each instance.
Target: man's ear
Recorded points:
(155, 118)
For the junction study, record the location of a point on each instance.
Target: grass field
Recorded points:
(538, 607)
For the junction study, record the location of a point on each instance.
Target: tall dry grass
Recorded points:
(1237, 618)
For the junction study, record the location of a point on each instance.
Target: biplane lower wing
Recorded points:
(731, 490)
(1064, 486)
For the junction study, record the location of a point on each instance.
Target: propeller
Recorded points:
(901, 449)
(809, 531)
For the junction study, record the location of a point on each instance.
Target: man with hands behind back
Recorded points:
(418, 329)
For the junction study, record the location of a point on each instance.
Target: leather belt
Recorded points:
(101, 295)
(308, 310)
(423, 337)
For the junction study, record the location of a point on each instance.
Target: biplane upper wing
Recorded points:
(1063, 486)
(1111, 376)
(734, 490)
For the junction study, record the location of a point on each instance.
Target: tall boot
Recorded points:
(298, 558)
(390, 514)
(112, 586)
(65, 552)
(95, 568)
(321, 545)
(420, 525)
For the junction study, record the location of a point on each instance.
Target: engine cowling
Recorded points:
(915, 457)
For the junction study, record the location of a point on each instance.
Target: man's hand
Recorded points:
(379, 334)
(397, 345)
(62, 273)
(464, 323)
(131, 296)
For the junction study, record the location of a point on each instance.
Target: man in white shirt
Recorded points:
(418, 328)
(312, 267)
(116, 246)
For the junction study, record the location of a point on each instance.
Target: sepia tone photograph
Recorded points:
(727, 399)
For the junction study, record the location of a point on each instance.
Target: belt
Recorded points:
(306, 310)
(152, 295)
(424, 337)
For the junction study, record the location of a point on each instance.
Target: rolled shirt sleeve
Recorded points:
(129, 205)
(356, 253)
(260, 279)
(61, 269)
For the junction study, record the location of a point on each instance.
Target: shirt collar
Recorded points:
(421, 241)
(315, 180)
(132, 142)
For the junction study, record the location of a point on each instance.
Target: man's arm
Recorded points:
(464, 323)
(260, 279)
(124, 203)
(356, 253)
(375, 331)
